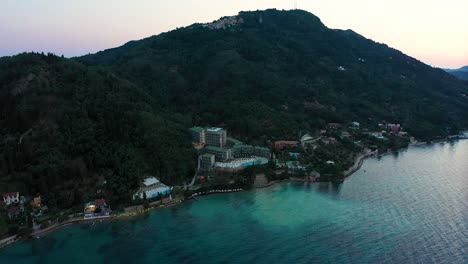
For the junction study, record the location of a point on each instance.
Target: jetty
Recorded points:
(193, 196)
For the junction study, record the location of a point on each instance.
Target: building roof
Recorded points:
(36, 200)
(100, 202)
(243, 146)
(150, 181)
(306, 137)
(197, 129)
(10, 194)
(235, 141)
(150, 193)
(214, 129)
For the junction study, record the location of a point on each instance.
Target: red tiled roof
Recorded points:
(99, 202)
(10, 194)
(283, 143)
(36, 201)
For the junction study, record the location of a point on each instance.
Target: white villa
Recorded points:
(153, 188)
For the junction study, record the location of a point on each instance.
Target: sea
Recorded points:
(406, 207)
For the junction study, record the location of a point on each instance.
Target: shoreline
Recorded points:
(359, 161)
(47, 230)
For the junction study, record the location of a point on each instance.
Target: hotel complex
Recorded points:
(219, 151)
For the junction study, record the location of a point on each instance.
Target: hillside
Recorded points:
(461, 73)
(67, 128)
(276, 73)
(70, 125)
(462, 69)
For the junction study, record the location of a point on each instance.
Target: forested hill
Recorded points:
(461, 73)
(277, 72)
(67, 128)
(69, 125)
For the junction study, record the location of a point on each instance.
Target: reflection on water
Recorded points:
(407, 207)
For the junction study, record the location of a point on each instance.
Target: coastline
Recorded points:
(37, 234)
(359, 161)
(47, 230)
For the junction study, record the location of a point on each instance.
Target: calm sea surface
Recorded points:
(410, 207)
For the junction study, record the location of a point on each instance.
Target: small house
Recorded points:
(355, 125)
(334, 125)
(11, 198)
(284, 143)
(36, 202)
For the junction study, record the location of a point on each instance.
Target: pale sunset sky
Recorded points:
(433, 31)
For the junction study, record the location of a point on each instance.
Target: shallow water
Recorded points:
(410, 207)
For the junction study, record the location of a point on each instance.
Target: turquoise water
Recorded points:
(410, 207)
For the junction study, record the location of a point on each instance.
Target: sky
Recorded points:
(433, 31)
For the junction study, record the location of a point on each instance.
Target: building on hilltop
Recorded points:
(220, 153)
(152, 187)
(225, 22)
(206, 161)
(215, 137)
(11, 198)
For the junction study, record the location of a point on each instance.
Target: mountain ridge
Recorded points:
(461, 73)
(258, 23)
(461, 69)
(123, 113)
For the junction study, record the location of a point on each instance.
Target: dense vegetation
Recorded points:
(73, 127)
(67, 129)
(277, 73)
